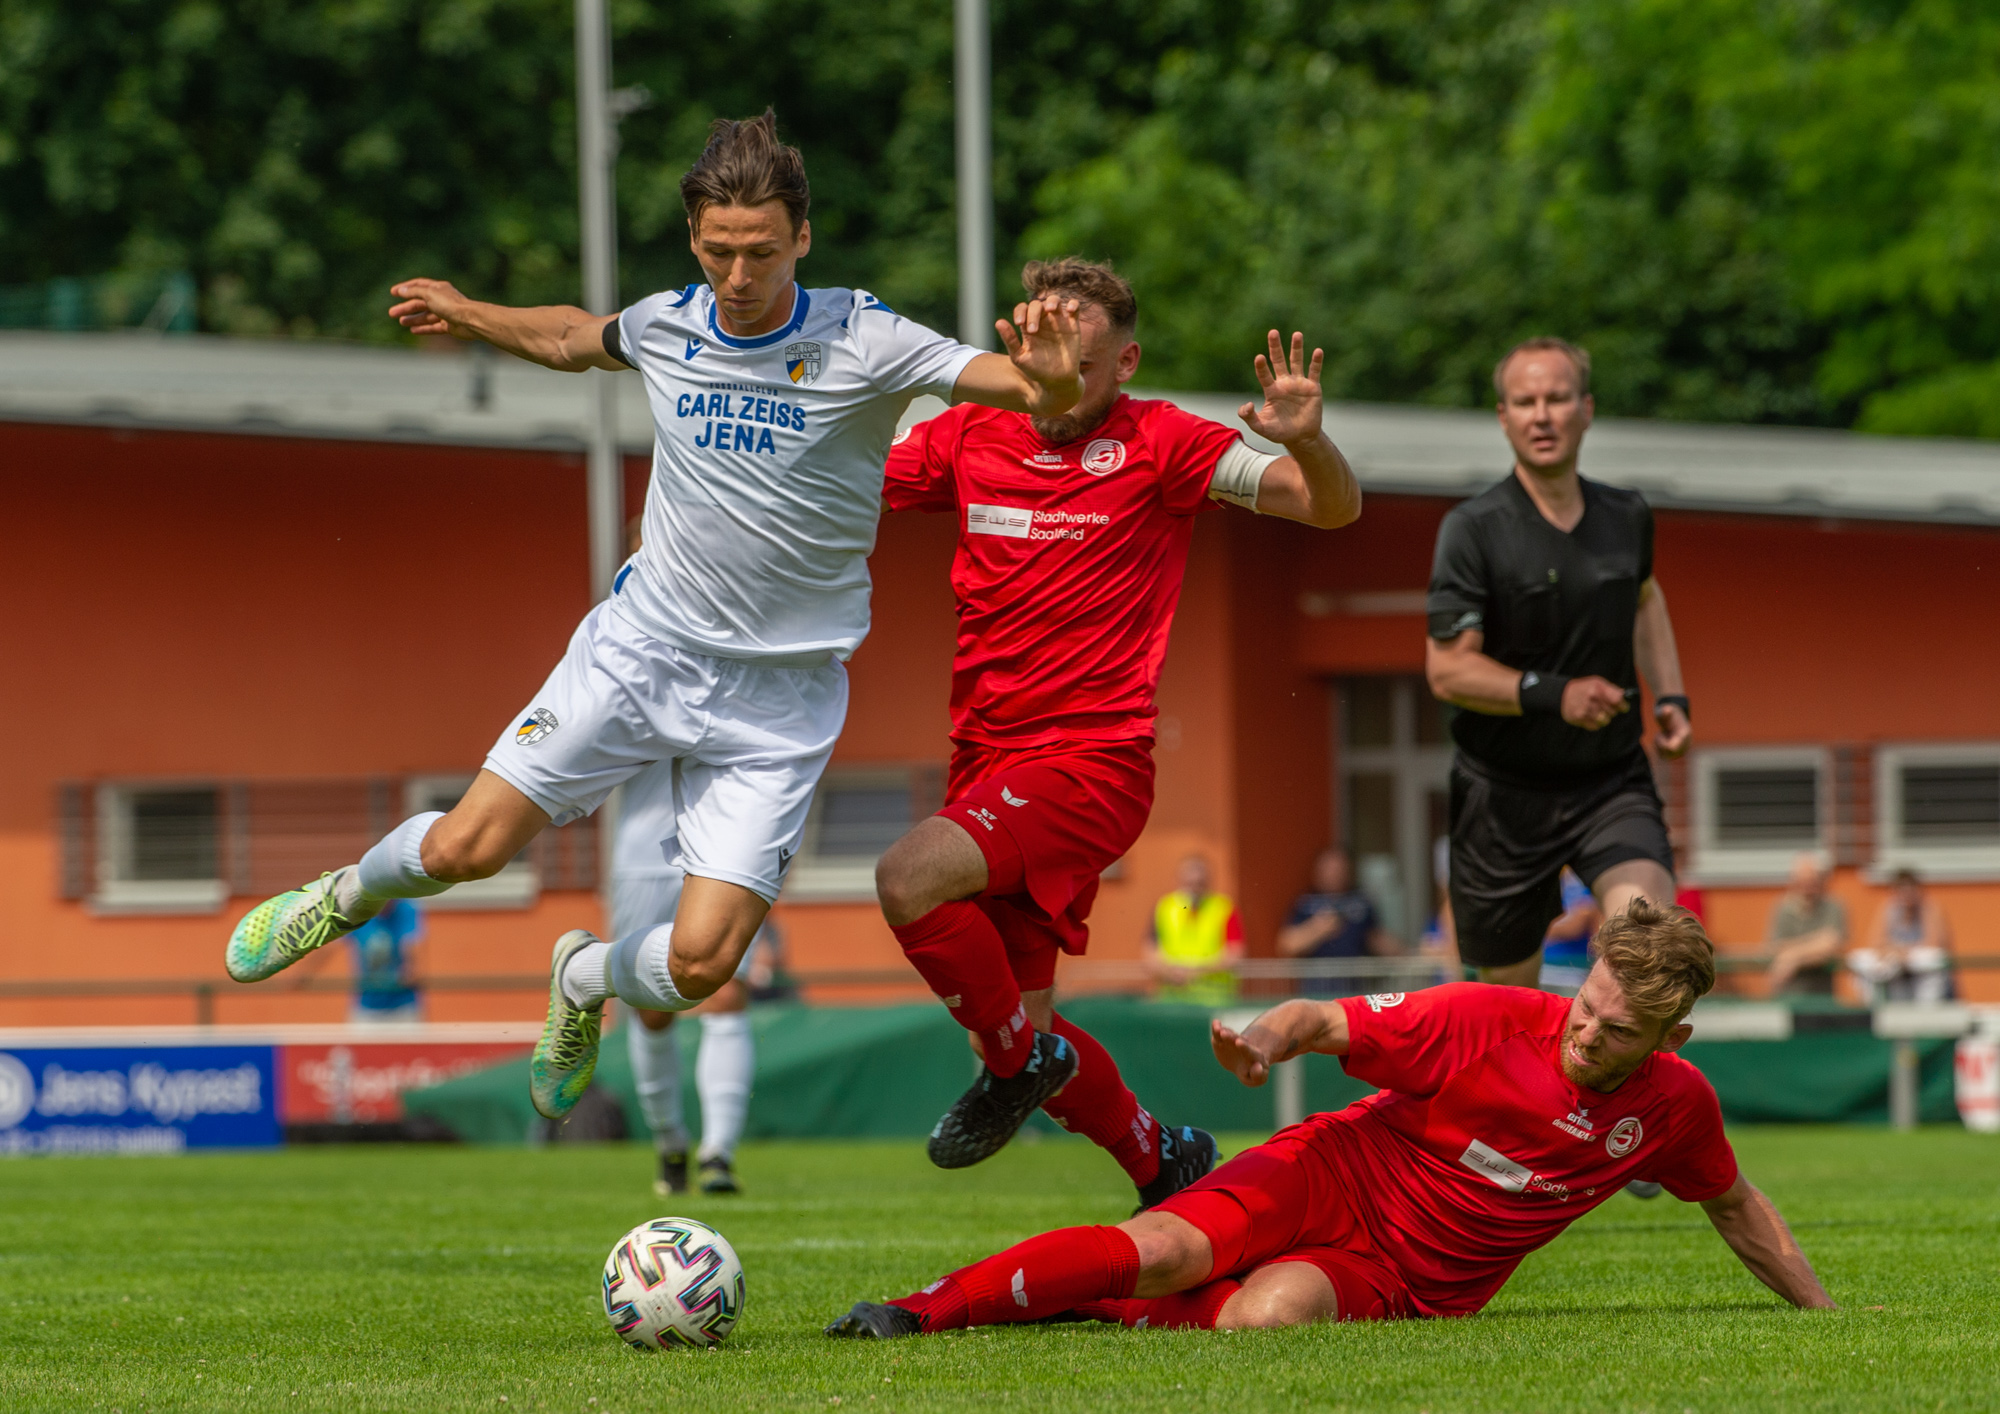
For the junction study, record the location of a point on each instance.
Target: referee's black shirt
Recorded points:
(1555, 602)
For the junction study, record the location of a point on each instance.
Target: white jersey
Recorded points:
(767, 467)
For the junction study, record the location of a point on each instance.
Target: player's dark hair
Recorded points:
(1661, 958)
(744, 164)
(1578, 356)
(1086, 282)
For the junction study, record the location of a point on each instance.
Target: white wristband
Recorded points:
(1238, 473)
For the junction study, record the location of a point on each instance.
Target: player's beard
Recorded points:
(1061, 431)
(1601, 1077)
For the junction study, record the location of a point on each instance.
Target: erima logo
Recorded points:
(1012, 521)
(1104, 456)
(539, 724)
(1382, 1001)
(1492, 1164)
(1043, 461)
(803, 361)
(1624, 1138)
(1020, 1286)
(982, 815)
(694, 347)
(1010, 797)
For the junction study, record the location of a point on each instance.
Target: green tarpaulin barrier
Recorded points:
(891, 1071)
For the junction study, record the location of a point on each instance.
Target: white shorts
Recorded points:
(748, 740)
(647, 900)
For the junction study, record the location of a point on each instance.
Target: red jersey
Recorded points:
(1479, 1148)
(1069, 561)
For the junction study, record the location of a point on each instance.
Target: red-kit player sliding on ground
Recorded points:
(1073, 538)
(1504, 1115)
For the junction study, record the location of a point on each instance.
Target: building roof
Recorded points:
(331, 390)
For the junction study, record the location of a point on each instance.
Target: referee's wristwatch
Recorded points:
(1673, 699)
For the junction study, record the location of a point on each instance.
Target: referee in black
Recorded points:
(1544, 617)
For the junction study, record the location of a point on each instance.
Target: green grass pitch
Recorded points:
(447, 1278)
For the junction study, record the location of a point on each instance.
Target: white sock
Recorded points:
(640, 970)
(586, 978)
(656, 1075)
(722, 1071)
(394, 868)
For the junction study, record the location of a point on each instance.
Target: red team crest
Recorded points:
(1103, 456)
(1624, 1138)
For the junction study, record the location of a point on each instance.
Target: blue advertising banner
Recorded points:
(137, 1099)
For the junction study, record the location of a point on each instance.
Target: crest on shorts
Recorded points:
(538, 724)
(803, 361)
(1103, 456)
(1382, 1001)
(1624, 1138)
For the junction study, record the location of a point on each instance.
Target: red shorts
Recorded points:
(1057, 817)
(1287, 1200)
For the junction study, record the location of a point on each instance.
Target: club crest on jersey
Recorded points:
(901, 437)
(803, 362)
(1624, 1138)
(539, 724)
(1382, 1001)
(1103, 456)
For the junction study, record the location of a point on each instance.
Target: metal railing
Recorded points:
(1260, 979)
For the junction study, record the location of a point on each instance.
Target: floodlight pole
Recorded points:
(596, 145)
(973, 101)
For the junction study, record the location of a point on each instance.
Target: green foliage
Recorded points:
(401, 1278)
(1756, 210)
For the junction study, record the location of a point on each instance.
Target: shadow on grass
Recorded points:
(1679, 1308)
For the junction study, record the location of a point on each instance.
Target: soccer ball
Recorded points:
(673, 1282)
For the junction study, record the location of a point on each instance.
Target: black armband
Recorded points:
(1542, 694)
(1674, 699)
(612, 345)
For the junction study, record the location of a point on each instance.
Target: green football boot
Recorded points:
(564, 1058)
(279, 931)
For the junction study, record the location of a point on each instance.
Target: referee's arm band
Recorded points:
(1542, 694)
(1674, 699)
(612, 345)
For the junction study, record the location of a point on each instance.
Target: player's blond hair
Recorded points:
(744, 164)
(1086, 282)
(1661, 958)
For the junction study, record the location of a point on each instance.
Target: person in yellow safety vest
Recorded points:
(1195, 939)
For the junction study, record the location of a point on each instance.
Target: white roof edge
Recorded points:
(366, 393)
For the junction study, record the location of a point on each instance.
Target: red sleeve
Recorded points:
(1697, 1163)
(1232, 931)
(1412, 1042)
(1185, 449)
(918, 474)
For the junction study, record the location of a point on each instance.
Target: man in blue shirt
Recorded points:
(1334, 919)
(383, 994)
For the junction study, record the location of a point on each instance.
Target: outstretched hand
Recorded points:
(430, 307)
(1044, 342)
(1248, 1062)
(1292, 399)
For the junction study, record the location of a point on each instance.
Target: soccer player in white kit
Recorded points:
(722, 646)
(646, 881)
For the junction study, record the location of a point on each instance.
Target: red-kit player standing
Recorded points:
(1073, 539)
(1504, 1115)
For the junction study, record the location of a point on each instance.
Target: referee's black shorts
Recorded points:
(1510, 841)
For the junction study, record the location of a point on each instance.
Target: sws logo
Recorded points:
(1104, 456)
(1624, 1138)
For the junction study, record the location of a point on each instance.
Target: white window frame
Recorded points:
(1715, 862)
(1930, 858)
(115, 892)
(813, 880)
(518, 885)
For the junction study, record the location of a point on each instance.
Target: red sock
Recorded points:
(1098, 1106)
(957, 951)
(1043, 1276)
(1197, 1309)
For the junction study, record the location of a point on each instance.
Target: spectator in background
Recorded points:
(1194, 940)
(1909, 956)
(1334, 919)
(385, 994)
(1808, 933)
(1566, 946)
(1440, 938)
